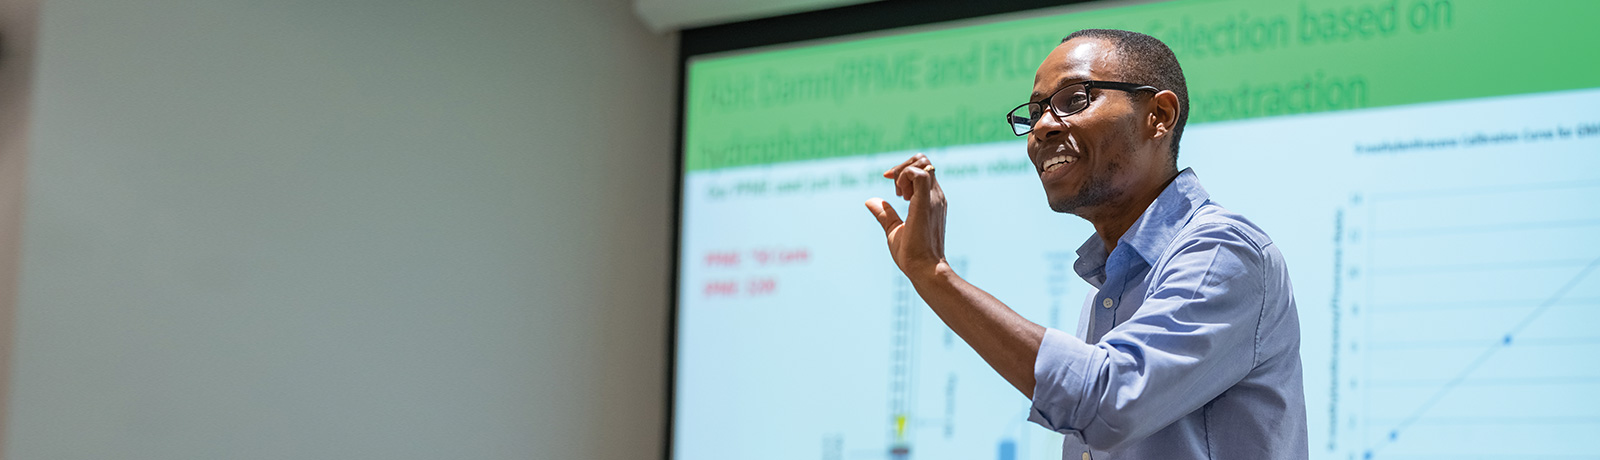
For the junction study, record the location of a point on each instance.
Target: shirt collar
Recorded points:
(1160, 222)
(1152, 232)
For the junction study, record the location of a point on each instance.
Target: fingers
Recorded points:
(902, 188)
(885, 214)
(909, 180)
(909, 161)
(916, 182)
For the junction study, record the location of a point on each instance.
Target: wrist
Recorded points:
(938, 273)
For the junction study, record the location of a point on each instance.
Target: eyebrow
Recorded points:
(1062, 83)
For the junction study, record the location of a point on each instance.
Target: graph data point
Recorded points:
(1506, 340)
(1394, 434)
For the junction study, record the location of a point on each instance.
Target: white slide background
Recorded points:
(1446, 293)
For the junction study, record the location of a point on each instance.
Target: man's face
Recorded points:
(1096, 144)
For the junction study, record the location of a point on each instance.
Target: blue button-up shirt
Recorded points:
(1189, 347)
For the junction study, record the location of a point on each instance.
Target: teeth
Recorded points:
(1057, 161)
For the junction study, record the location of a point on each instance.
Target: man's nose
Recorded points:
(1049, 125)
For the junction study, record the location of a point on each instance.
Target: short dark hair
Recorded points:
(1146, 61)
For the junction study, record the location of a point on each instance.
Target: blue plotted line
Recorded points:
(1505, 341)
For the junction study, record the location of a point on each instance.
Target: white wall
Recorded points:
(344, 229)
(18, 23)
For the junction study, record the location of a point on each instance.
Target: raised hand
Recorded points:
(916, 243)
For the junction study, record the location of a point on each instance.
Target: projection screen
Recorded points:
(1430, 170)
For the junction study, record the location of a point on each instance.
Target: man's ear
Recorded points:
(1163, 118)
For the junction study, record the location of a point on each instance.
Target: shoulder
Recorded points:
(1212, 221)
(1212, 231)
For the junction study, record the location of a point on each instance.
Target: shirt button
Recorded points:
(1106, 302)
(1085, 456)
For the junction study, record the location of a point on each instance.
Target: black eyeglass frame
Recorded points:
(1013, 120)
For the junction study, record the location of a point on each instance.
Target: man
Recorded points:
(1190, 346)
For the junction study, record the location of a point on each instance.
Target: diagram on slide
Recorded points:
(1471, 320)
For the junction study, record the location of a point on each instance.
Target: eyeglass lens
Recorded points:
(1066, 101)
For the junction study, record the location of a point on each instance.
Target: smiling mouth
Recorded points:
(1055, 163)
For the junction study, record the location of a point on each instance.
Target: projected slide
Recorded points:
(1429, 169)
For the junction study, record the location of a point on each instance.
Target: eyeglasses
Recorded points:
(1066, 101)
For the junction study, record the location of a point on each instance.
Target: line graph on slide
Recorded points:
(1475, 335)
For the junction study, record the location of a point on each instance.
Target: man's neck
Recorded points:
(1113, 220)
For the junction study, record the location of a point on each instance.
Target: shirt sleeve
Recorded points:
(1193, 337)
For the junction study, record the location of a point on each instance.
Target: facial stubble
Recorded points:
(1094, 192)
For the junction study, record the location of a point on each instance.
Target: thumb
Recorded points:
(885, 214)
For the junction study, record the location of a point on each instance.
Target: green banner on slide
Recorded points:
(1243, 59)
